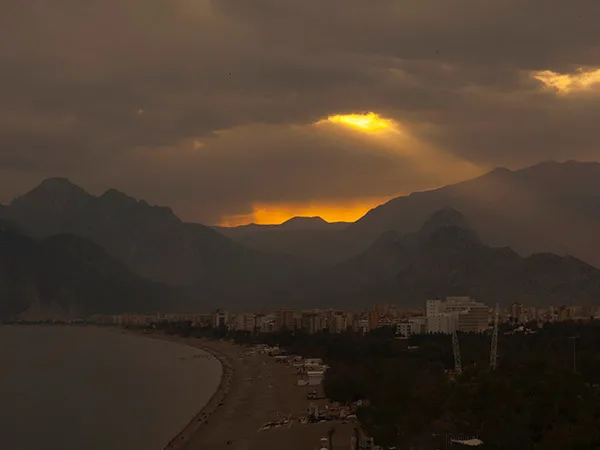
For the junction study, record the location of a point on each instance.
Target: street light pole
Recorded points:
(574, 338)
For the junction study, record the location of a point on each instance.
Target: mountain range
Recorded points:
(447, 257)
(458, 239)
(66, 276)
(154, 243)
(548, 207)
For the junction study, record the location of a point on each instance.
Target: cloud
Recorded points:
(210, 106)
(569, 83)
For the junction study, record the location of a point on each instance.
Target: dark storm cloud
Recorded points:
(206, 105)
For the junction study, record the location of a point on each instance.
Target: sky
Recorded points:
(237, 111)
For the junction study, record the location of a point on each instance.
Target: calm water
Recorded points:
(73, 388)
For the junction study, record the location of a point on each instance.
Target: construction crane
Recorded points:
(456, 349)
(494, 349)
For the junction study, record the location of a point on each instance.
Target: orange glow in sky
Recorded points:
(368, 122)
(364, 122)
(346, 210)
(566, 83)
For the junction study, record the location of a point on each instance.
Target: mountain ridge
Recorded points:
(66, 276)
(547, 207)
(447, 257)
(154, 243)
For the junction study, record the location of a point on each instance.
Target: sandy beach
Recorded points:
(254, 390)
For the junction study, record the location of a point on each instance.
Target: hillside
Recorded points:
(310, 238)
(550, 207)
(66, 276)
(154, 243)
(447, 257)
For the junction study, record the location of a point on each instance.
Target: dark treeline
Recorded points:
(537, 398)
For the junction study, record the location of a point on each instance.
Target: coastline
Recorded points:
(254, 390)
(216, 400)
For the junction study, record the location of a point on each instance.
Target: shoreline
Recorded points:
(257, 404)
(216, 400)
(254, 391)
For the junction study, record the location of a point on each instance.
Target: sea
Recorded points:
(88, 388)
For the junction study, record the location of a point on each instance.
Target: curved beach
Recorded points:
(217, 398)
(254, 390)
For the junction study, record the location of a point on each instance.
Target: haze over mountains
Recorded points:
(66, 276)
(154, 243)
(432, 243)
(447, 257)
(310, 238)
(549, 207)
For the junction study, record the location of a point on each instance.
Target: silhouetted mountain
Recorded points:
(154, 243)
(549, 207)
(447, 219)
(294, 224)
(310, 223)
(67, 276)
(447, 257)
(453, 262)
(310, 238)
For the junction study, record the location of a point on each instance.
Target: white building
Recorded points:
(415, 325)
(456, 314)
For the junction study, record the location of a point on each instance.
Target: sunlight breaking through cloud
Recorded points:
(368, 122)
(565, 83)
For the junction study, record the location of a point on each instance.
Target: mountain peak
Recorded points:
(58, 185)
(447, 223)
(54, 199)
(57, 192)
(305, 219)
(442, 218)
(304, 223)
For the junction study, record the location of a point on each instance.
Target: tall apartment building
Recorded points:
(285, 319)
(339, 322)
(220, 318)
(456, 314)
(517, 312)
(245, 322)
(361, 325)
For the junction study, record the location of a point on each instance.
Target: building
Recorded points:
(361, 325)
(456, 314)
(285, 319)
(245, 322)
(338, 322)
(516, 312)
(220, 318)
(414, 325)
(265, 323)
(314, 322)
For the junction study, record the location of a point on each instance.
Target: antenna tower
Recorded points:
(494, 349)
(456, 349)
